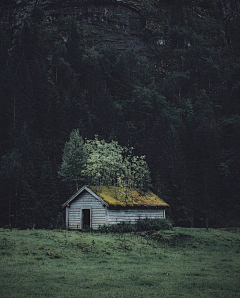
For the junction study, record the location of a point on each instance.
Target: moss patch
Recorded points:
(122, 197)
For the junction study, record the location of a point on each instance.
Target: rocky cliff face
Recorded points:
(108, 22)
(112, 22)
(123, 24)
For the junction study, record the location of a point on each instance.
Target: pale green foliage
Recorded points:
(100, 163)
(140, 174)
(73, 159)
(104, 162)
(113, 165)
(135, 174)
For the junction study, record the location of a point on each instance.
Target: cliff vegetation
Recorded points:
(159, 76)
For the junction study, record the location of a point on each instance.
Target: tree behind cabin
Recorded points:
(73, 159)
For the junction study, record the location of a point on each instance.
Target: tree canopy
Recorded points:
(100, 163)
(73, 159)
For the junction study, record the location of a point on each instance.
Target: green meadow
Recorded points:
(178, 263)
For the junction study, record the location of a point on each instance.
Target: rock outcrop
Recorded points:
(107, 22)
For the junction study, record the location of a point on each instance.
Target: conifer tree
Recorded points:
(73, 158)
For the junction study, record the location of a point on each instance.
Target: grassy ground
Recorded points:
(178, 263)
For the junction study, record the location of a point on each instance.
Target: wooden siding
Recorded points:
(100, 214)
(86, 201)
(132, 215)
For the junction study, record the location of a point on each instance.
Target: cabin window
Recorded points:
(86, 218)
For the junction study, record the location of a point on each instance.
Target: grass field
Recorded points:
(178, 263)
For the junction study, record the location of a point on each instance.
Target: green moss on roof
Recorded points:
(116, 196)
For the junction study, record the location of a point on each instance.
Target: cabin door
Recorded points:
(86, 218)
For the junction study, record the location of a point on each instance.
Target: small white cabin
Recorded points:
(91, 207)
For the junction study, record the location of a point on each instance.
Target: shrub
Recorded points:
(150, 224)
(122, 227)
(147, 224)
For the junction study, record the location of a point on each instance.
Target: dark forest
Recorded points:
(160, 76)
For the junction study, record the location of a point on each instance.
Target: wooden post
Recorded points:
(67, 216)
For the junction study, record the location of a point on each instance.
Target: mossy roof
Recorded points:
(120, 197)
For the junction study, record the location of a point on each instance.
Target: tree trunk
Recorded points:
(206, 199)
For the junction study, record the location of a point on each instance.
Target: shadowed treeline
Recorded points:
(179, 107)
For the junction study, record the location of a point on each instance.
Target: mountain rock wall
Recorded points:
(108, 22)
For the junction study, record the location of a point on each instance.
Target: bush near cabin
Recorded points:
(147, 224)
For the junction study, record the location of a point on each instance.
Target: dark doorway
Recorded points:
(86, 218)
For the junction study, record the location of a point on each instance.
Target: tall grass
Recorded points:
(176, 263)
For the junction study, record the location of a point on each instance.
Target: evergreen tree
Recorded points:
(73, 158)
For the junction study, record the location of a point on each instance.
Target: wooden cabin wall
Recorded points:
(117, 215)
(85, 201)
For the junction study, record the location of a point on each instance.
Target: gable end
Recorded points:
(74, 196)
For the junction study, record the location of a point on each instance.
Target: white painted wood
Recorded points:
(101, 215)
(79, 192)
(86, 201)
(67, 214)
(132, 215)
(106, 216)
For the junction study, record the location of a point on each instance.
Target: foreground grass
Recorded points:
(178, 263)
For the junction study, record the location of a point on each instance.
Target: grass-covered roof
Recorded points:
(120, 197)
